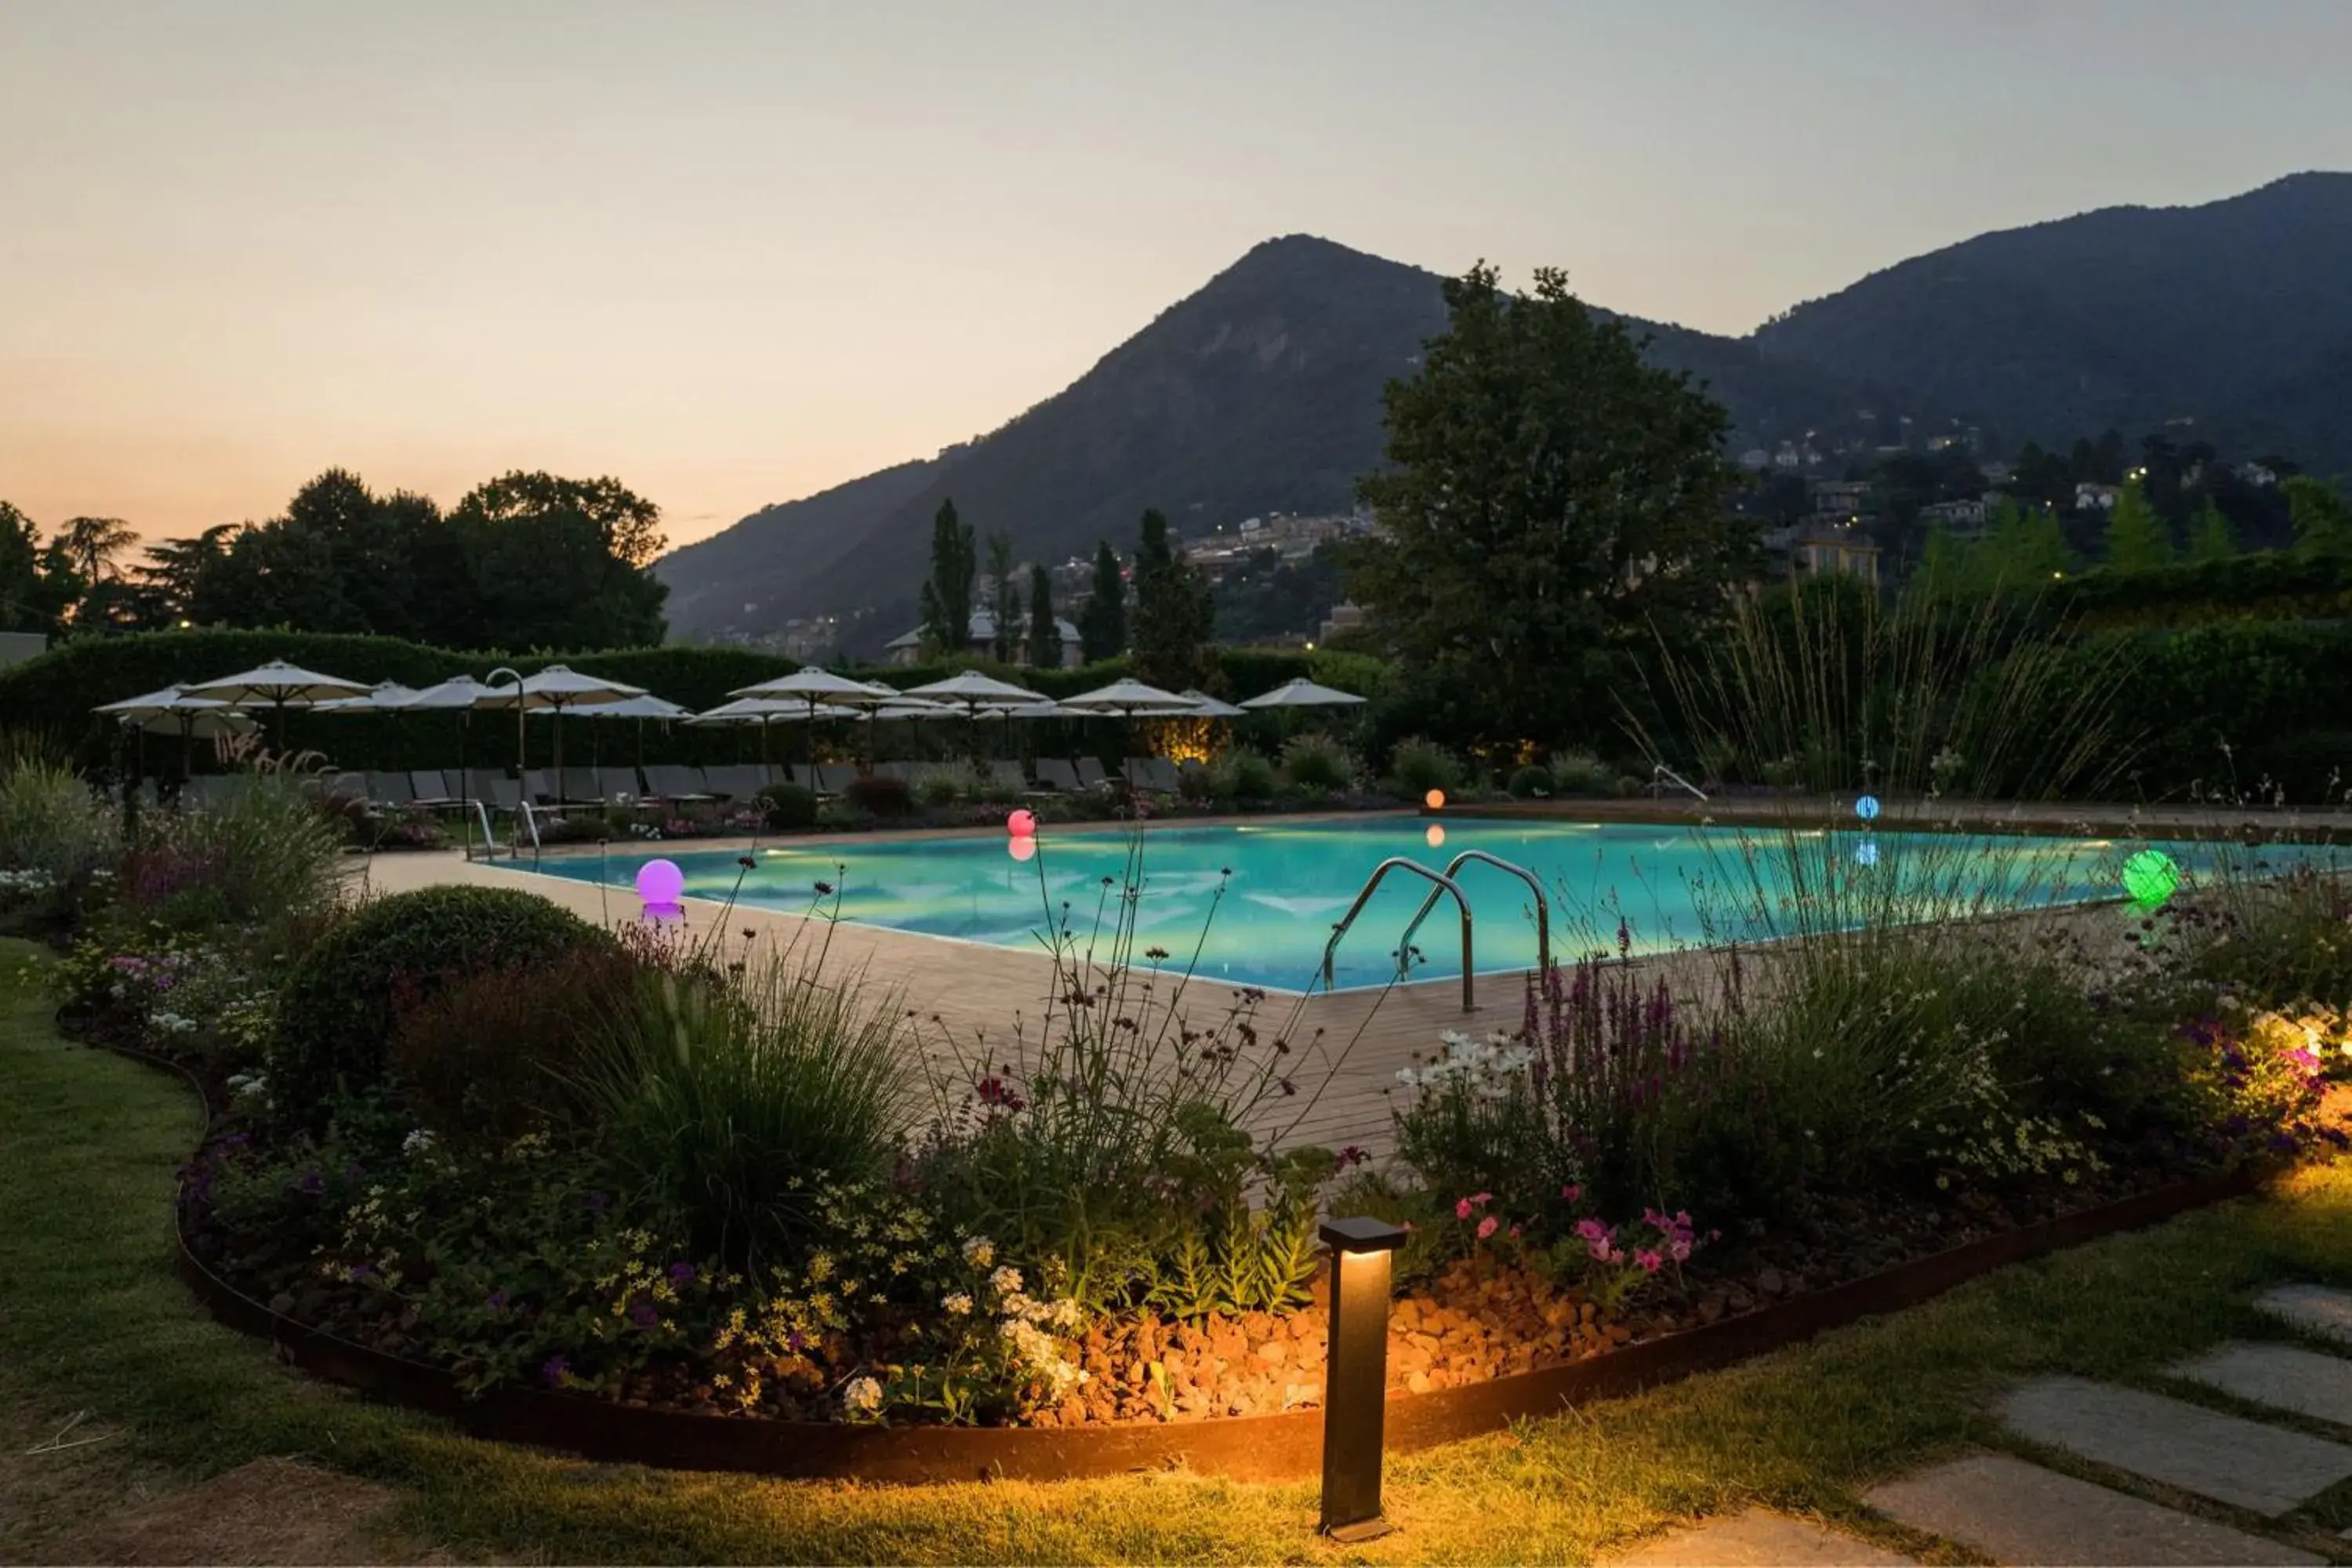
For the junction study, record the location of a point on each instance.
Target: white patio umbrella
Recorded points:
(553, 691)
(172, 711)
(766, 710)
(278, 686)
(975, 693)
(383, 698)
(1303, 693)
(640, 709)
(460, 694)
(814, 687)
(1125, 698)
(1203, 706)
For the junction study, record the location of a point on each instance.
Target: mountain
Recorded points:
(2236, 314)
(1260, 392)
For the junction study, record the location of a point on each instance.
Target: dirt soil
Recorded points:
(270, 1511)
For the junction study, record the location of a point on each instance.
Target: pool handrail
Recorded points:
(1661, 771)
(1444, 884)
(1454, 871)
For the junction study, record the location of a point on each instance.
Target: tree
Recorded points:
(27, 602)
(560, 564)
(1102, 623)
(1174, 613)
(2215, 538)
(947, 597)
(1005, 614)
(92, 544)
(1044, 634)
(1551, 503)
(173, 574)
(2136, 539)
(2323, 525)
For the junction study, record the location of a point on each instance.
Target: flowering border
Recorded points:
(1283, 1447)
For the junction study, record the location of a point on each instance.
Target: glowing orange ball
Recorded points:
(1435, 800)
(1021, 824)
(1022, 848)
(1435, 836)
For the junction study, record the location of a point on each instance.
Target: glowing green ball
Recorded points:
(2150, 876)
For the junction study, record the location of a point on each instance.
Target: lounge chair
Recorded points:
(1159, 777)
(428, 787)
(675, 783)
(1054, 773)
(835, 778)
(503, 793)
(539, 786)
(903, 772)
(580, 787)
(615, 783)
(734, 781)
(346, 787)
(390, 789)
(1091, 775)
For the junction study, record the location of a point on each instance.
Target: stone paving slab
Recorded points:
(2016, 1512)
(2284, 1377)
(2252, 1466)
(1759, 1539)
(2317, 1308)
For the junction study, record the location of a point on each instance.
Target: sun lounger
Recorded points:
(903, 772)
(1055, 775)
(428, 787)
(503, 793)
(734, 781)
(541, 787)
(580, 787)
(390, 789)
(675, 783)
(835, 778)
(615, 783)
(1159, 777)
(1091, 775)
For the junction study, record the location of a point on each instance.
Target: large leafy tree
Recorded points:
(31, 598)
(173, 576)
(1175, 614)
(1549, 500)
(1044, 634)
(947, 597)
(1102, 623)
(2135, 539)
(560, 564)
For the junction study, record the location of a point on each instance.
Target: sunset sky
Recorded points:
(733, 254)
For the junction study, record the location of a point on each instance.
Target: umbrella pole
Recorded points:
(464, 787)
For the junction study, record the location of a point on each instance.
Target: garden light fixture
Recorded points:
(1355, 1375)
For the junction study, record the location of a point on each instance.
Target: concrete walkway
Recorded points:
(2179, 1482)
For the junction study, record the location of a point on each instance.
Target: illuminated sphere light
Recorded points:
(1435, 836)
(1867, 808)
(1021, 824)
(1435, 800)
(661, 886)
(1022, 848)
(1866, 852)
(2150, 876)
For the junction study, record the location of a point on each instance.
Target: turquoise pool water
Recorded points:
(1258, 901)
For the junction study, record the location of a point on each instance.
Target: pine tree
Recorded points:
(2136, 539)
(2215, 538)
(1045, 636)
(2323, 525)
(1102, 623)
(1005, 612)
(947, 597)
(1175, 613)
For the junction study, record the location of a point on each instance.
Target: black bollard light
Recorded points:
(1355, 1375)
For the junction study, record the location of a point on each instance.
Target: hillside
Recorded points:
(2235, 314)
(1261, 392)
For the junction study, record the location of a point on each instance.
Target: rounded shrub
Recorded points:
(879, 795)
(345, 997)
(942, 785)
(1419, 766)
(1243, 774)
(787, 806)
(1581, 773)
(1531, 781)
(1317, 762)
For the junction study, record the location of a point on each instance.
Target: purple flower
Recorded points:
(363, 1271)
(681, 1273)
(796, 1341)
(645, 1315)
(555, 1370)
(311, 1183)
(598, 1203)
(498, 1301)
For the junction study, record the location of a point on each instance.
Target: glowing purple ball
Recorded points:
(661, 886)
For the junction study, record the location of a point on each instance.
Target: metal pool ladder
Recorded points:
(1453, 871)
(1443, 884)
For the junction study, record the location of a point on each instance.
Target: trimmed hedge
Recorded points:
(344, 999)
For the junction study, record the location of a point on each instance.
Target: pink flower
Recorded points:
(1481, 1197)
(1649, 1259)
(1591, 1230)
(1572, 1194)
(1654, 1219)
(1515, 1233)
(1601, 1249)
(1679, 1249)
(1462, 1209)
(1486, 1227)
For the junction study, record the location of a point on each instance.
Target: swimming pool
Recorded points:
(1258, 901)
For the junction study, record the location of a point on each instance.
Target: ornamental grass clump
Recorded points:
(55, 833)
(262, 851)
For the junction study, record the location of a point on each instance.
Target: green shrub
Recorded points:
(344, 999)
(264, 848)
(53, 824)
(743, 1099)
(1532, 782)
(1242, 773)
(1419, 766)
(1576, 772)
(499, 1053)
(1319, 762)
(879, 795)
(788, 806)
(944, 784)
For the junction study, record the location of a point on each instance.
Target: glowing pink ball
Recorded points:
(1022, 848)
(1021, 824)
(661, 886)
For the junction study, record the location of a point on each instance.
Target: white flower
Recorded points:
(861, 1396)
(1006, 1281)
(418, 1142)
(957, 1305)
(980, 1252)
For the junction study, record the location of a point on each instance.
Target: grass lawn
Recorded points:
(93, 1317)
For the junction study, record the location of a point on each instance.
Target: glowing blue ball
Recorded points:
(1866, 852)
(1867, 808)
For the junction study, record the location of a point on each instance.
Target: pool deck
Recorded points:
(972, 992)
